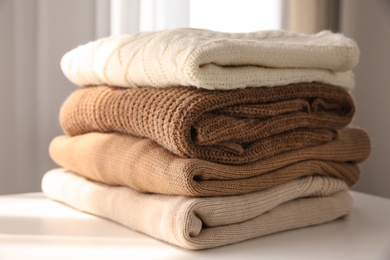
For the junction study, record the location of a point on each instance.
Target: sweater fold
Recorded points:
(199, 223)
(232, 127)
(143, 165)
(213, 60)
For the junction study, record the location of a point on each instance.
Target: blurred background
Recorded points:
(36, 33)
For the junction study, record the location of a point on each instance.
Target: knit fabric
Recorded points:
(233, 127)
(213, 60)
(199, 223)
(145, 166)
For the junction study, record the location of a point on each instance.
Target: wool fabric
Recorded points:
(143, 165)
(199, 223)
(232, 127)
(213, 60)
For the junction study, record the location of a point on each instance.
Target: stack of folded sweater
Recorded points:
(203, 139)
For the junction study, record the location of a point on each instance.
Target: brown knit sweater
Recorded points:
(143, 165)
(233, 127)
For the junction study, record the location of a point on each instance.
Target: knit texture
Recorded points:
(145, 166)
(199, 223)
(213, 60)
(233, 127)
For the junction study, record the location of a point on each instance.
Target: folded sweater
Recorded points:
(145, 166)
(213, 60)
(199, 223)
(233, 127)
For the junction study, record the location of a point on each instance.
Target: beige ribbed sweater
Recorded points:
(147, 167)
(233, 127)
(199, 223)
(213, 60)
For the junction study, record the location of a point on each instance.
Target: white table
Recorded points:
(33, 227)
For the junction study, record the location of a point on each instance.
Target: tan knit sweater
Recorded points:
(198, 223)
(213, 60)
(233, 127)
(143, 165)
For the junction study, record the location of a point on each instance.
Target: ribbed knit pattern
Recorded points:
(213, 60)
(233, 127)
(199, 223)
(143, 165)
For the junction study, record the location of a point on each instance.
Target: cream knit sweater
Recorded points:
(198, 223)
(213, 60)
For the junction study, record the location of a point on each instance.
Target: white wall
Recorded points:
(34, 36)
(7, 115)
(368, 22)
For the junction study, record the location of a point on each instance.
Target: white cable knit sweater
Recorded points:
(213, 60)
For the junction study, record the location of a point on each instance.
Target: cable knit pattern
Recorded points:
(234, 127)
(143, 165)
(199, 223)
(213, 60)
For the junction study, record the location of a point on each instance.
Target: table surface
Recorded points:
(33, 227)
